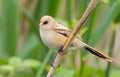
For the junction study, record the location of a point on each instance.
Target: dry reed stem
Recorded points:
(84, 17)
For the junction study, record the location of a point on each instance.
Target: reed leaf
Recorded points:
(10, 20)
(95, 38)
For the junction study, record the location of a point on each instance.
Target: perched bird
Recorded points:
(54, 35)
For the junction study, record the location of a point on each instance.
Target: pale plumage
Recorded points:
(54, 35)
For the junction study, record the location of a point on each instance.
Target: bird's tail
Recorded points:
(98, 53)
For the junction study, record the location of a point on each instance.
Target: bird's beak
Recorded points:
(41, 24)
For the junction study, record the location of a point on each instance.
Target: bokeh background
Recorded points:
(22, 53)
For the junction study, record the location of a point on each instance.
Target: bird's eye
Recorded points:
(45, 22)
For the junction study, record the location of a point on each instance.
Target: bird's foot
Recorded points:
(52, 64)
(61, 51)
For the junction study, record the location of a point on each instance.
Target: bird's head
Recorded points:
(47, 22)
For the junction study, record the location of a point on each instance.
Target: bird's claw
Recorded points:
(52, 64)
(61, 51)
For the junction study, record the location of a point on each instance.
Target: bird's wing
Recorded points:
(63, 32)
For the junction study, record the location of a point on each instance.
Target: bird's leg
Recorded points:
(61, 52)
(52, 64)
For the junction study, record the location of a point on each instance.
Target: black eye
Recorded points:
(45, 22)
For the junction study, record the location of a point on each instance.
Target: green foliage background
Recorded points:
(22, 53)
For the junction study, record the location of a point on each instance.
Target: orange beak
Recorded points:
(41, 24)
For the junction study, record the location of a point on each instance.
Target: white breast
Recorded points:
(47, 38)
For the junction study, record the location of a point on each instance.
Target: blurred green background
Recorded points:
(22, 53)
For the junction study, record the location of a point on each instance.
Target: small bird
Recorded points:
(54, 35)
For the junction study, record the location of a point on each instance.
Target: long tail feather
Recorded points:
(98, 53)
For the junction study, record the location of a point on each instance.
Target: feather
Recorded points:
(98, 53)
(63, 32)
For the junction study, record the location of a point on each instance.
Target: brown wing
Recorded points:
(63, 32)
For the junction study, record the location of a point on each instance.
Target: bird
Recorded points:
(54, 35)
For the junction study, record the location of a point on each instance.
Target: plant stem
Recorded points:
(40, 71)
(111, 47)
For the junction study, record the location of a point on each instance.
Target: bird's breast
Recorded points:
(54, 40)
(51, 39)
